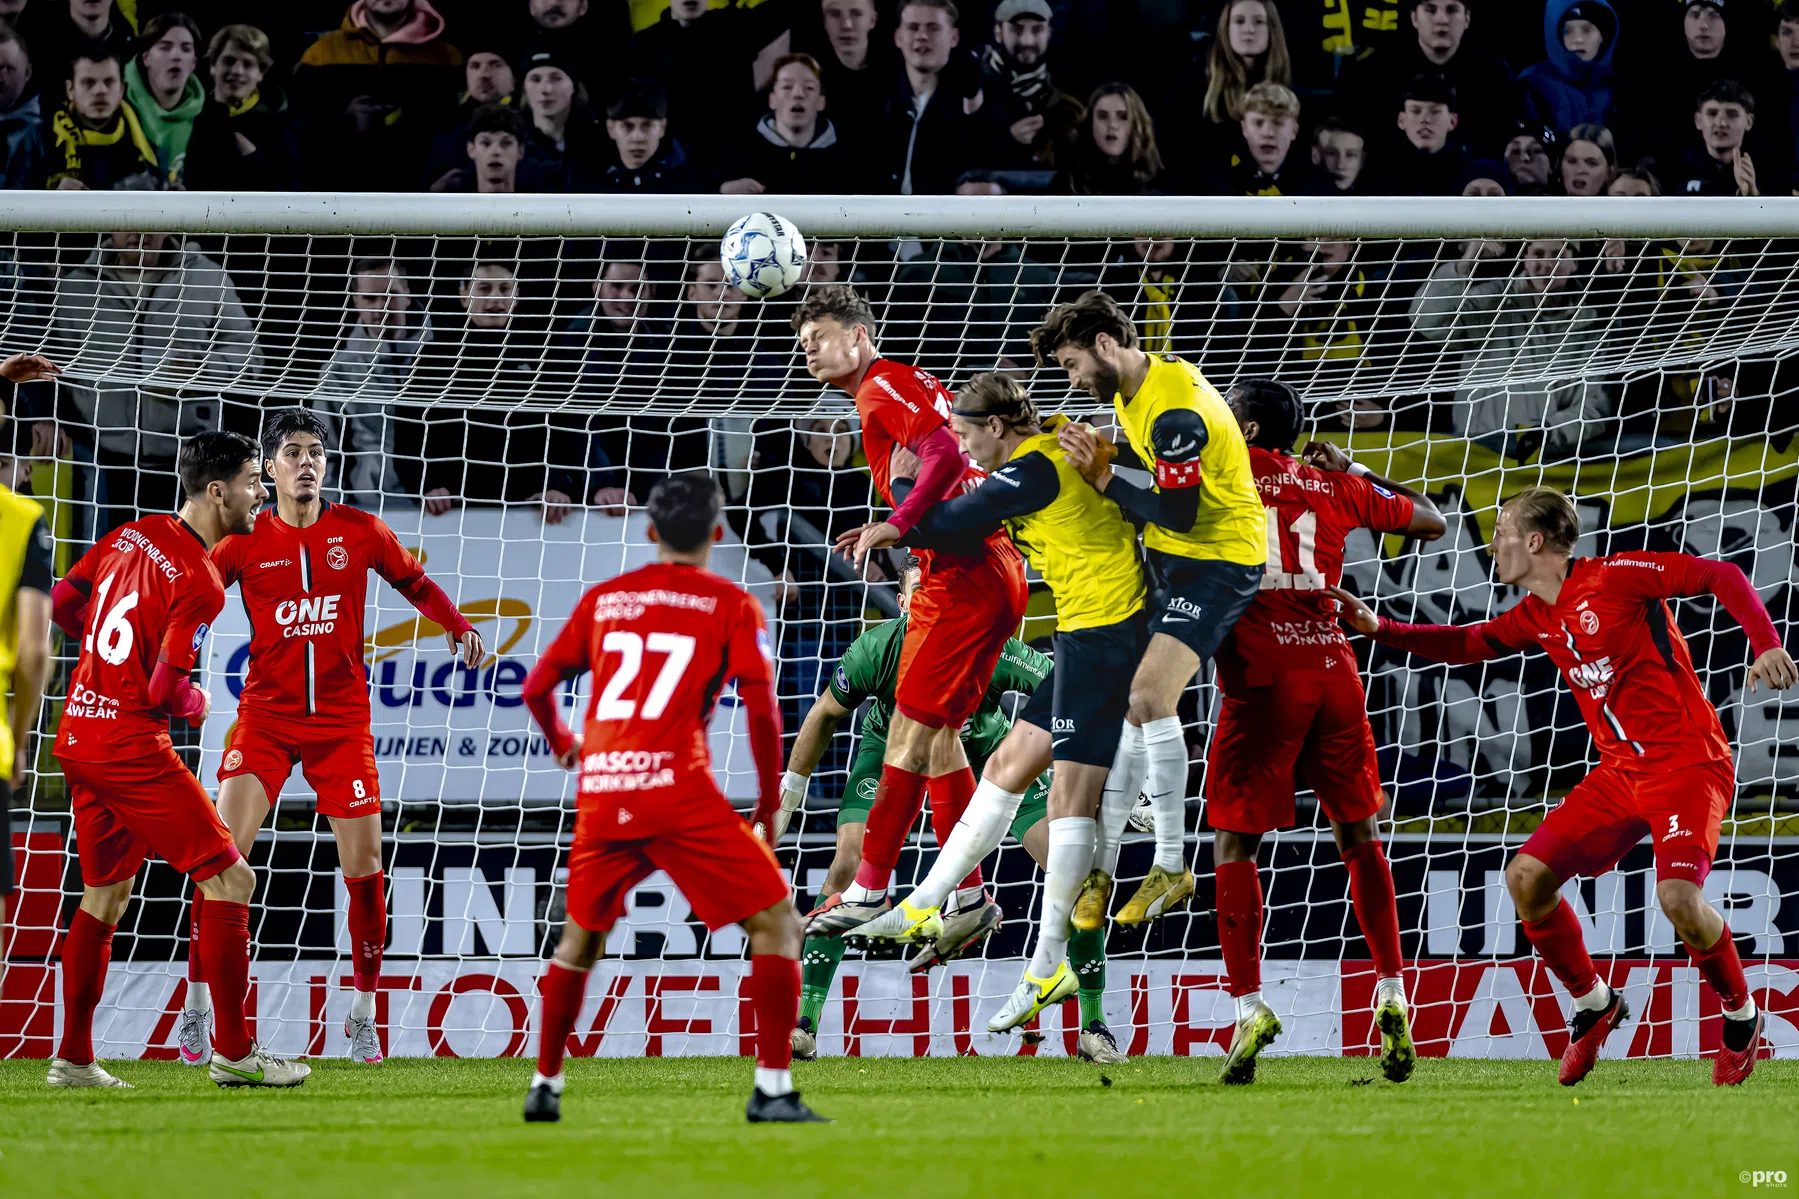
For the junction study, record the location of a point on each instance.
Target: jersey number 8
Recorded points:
(630, 647)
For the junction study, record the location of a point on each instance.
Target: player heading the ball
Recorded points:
(661, 640)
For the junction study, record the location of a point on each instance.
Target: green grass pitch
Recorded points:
(986, 1127)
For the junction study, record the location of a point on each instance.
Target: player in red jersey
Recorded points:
(964, 609)
(1294, 713)
(141, 601)
(303, 571)
(661, 640)
(1664, 770)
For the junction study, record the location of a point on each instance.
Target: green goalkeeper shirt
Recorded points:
(869, 669)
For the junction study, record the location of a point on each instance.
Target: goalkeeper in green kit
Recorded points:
(869, 669)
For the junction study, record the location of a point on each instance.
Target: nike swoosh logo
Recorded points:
(243, 1074)
(1175, 619)
(1057, 741)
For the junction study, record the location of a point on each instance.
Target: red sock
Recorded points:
(950, 794)
(562, 990)
(367, 921)
(225, 956)
(194, 972)
(775, 992)
(898, 801)
(1240, 924)
(1557, 940)
(1723, 969)
(86, 949)
(1376, 907)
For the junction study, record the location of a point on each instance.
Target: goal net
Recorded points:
(506, 378)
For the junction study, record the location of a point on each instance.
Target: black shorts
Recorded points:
(1197, 600)
(1083, 700)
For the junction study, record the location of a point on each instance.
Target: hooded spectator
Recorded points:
(1588, 160)
(929, 137)
(1030, 123)
(1117, 154)
(644, 159)
(1427, 159)
(1201, 112)
(561, 140)
(372, 91)
(1529, 157)
(95, 140)
(21, 122)
(795, 149)
(1718, 165)
(1339, 155)
(1575, 84)
(247, 118)
(1445, 42)
(704, 61)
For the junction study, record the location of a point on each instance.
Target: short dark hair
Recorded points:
(839, 301)
(948, 6)
(285, 422)
(95, 51)
(162, 22)
(1079, 323)
(1726, 91)
(1549, 512)
(684, 510)
(641, 98)
(1337, 123)
(213, 457)
(1275, 408)
(497, 118)
(1429, 89)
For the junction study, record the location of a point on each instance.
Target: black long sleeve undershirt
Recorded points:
(958, 524)
(1178, 438)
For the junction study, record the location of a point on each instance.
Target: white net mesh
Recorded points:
(525, 388)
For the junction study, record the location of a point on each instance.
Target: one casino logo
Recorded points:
(234, 759)
(1589, 622)
(337, 557)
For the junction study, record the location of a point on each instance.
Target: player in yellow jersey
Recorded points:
(1087, 552)
(1206, 540)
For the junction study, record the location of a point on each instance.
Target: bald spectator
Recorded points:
(21, 122)
(259, 148)
(1030, 123)
(795, 149)
(95, 140)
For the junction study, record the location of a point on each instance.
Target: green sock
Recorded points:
(1087, 954)
(818, 966)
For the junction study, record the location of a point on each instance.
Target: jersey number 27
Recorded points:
(630, 648)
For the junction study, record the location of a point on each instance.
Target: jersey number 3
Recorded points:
(629, 647)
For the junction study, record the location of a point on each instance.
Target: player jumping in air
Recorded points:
(1205, 538)
(1294, 714)
(304, 574)
(968, 602)
(1087, 552)
(869, 670)
(661, 640)
(1665, 767)
(140, 602)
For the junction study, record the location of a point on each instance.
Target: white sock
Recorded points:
(857, 893)
(199, 997)
(363, 1006)
(1247, 1004)
(1594, 1000)
(1166, 779)
(774, 1082)
(1746, 1012)
(977, 834)
(1392, 986)
(1123, 784)
(556, 1081)
(1071, 845)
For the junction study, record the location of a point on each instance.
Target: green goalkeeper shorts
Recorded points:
(865, 778)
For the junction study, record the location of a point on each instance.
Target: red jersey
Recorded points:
(661, 641)
(151, 594)
(305, 591)
(1291, 626)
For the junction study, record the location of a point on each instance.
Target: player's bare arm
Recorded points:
(1427, 521)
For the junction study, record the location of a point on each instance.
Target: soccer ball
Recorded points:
(763, 255)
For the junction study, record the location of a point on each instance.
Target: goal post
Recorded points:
(505, 377)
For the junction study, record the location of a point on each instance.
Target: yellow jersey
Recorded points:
(1230, 526)
(20, 517)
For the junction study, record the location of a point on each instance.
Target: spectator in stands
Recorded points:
(1487, 97)
(1117, 154)
(858, 67)
(1658, 103)
(70, 26)
(495, 150)
(163, 323)
(1718, 165)
(367, 372)
(372, 91)
(1428, 160)
(1524, 317)
(258, 143)
(1781, 109)
(1030, 123)
(795, 149)
(804, 471)
(1179, 300)
(162, 88)
(645, 159)
(609, 350)
(1314, 309)
(21, 120)
(704, 61)
(487, 78)
(1268, 161)
(562, 144)
(1588, 160)
(1486, 177)
(96, 140)
(1575, 84)
(1200, 112)
(1339, 152)
(1527, 157)
(589, 35)
(1634, 181)
(929, 137)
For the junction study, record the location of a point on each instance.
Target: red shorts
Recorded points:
(1272, 741)
(1611, 810)
(959, 620)
(723, 869)
(127, 810)
(339, 764)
